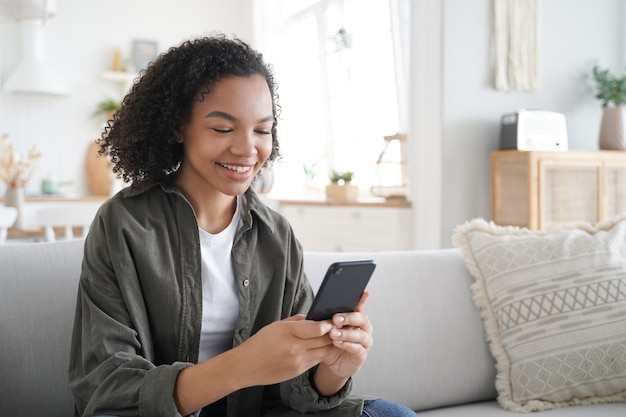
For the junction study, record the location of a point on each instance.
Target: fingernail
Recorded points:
(339, 319)
(335, 333)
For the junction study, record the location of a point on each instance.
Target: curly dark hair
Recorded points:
(141, 137)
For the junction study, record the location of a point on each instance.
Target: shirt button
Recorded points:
(246, 282)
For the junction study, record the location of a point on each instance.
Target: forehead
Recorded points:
(237, 94)
(252, 84)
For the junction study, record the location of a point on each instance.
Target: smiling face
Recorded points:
(228, 137)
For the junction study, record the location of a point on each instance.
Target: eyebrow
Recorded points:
(227, 116)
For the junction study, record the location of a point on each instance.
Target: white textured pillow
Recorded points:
(554, 309)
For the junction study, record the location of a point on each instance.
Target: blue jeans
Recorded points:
(374, 408)
(384, 408)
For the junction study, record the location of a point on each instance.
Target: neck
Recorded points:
(213, 214)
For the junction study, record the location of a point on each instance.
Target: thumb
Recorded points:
(296, 317)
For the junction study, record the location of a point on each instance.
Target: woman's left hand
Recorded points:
(352, 340)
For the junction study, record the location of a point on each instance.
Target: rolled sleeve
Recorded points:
(156, 397)
(300, 395)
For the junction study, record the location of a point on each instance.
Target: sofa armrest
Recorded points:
(38, 285)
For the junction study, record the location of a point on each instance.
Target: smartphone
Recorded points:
(341, 288)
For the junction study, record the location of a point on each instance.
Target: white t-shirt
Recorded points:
(220, 304)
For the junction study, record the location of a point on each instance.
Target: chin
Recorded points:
(235, 191)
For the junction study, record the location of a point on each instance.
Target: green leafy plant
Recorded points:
(310, 170)
(107, 106)
(610, 89)
(342, 39)
(338, 177)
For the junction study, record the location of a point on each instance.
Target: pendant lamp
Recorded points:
(32, 75)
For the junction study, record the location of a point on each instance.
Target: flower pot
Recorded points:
(14, 197)
(612, 133)
(342, 192)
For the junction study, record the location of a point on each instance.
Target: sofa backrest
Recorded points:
(38, 284)
(429, 345)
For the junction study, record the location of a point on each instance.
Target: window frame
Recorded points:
(399, 13)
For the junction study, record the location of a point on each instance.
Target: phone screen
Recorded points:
(341, 288)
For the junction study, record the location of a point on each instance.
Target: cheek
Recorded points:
(198, 151)
(205, 146)
(265, 148)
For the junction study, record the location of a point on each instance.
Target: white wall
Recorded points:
(79, 44)
(574, 33)
(80, 40)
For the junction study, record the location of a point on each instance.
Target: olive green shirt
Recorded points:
(139, 307)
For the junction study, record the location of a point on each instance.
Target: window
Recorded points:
(340, 67)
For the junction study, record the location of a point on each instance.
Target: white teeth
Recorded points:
(238, 169)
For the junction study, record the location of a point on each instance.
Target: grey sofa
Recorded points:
(429, 352)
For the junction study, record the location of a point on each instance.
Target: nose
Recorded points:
(244, 144)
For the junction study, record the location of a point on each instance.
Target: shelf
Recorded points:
(127, 77)
(361, 202)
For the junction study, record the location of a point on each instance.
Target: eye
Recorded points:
(221, 130)
(263, 129)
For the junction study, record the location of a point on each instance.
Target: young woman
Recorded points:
(192, 291)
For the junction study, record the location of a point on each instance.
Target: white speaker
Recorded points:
(533, 130)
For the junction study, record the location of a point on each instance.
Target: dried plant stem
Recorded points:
(15, 168)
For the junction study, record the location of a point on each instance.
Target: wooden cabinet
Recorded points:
(344, 227)
(539, 190)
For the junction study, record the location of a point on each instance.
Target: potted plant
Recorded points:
(340, 186)
(16, 170)
(108, 107)
(611, 91)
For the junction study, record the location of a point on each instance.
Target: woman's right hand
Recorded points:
(279, 351)
(285, 349)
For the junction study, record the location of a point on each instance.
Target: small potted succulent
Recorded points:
(340, 186)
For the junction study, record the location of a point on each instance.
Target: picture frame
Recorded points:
(144, 52)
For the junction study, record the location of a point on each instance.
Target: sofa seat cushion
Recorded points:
(493, 409)
(554, 309)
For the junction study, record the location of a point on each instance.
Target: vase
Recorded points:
(612, 133)
(14, 197)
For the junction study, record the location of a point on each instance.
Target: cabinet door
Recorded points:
(343, 229)
(510, 189)
(614, 190)
(568, 192)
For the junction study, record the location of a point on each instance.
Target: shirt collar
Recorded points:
(254, 206)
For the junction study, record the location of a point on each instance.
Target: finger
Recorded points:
(308, 329)
(357, 319)
(342, 319)
(296, 317)
(346, 336)
(361, 303)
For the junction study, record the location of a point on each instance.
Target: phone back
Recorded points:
(341, 288)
